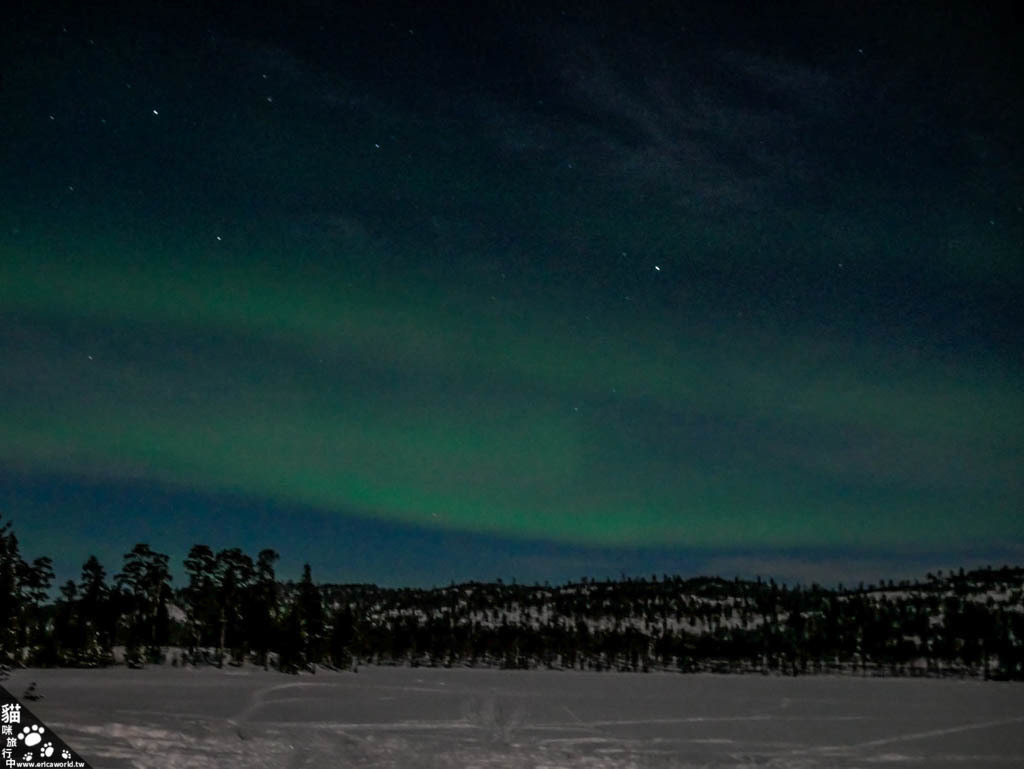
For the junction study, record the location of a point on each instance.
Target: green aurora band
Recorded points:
(436, 407)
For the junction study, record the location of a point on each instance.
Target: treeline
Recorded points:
(964, 624)
(233, 609)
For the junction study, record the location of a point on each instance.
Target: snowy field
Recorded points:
(449, 719)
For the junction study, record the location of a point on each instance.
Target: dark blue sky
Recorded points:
(515, 291)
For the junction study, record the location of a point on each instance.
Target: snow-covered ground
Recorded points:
(415, 718)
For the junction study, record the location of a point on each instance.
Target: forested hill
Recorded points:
(963, 623)
(233, 610)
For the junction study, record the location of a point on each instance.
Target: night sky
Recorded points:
(518, 290)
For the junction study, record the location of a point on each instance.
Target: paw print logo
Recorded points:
(47, 750)
(66, 755)
(31, 735)
(27, 756)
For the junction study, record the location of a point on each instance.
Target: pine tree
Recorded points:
(10, 605)
(96, 613)
(311, 611)
(145, 579)
(34, 582)
(261, 614)
(343, 632)
(67, 636)
(201, 611)
(234, 578)
(290, 641)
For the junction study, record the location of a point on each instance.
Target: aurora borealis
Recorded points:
(527, 295)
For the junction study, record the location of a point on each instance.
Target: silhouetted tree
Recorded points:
(67, 637)
(145, 579)
(34, 582)
(10, 605)
(261, 616)
(200, 598)
(311, 610)
(290, 641)
(343, 632)
(234, 578)
(96, 613)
